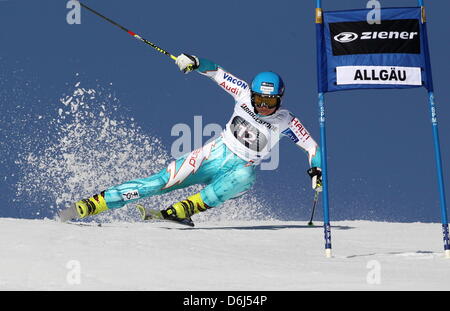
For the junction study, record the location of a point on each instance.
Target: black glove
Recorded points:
(187, 63)
(316, 178)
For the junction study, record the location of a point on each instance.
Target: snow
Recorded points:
(226, 255)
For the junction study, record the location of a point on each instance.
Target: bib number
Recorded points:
(247, 134)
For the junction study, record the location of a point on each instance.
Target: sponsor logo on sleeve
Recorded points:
(234, 90)
(229, 78)
(288, 132)
(299, 130)
(378, 75)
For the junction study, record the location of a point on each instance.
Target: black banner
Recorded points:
(391, 36)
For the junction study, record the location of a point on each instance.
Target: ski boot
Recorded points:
(154, 214)
(180, 212)
(84, 208)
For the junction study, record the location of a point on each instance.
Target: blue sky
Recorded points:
(380, 152)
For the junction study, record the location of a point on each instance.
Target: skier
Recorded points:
(227, 164)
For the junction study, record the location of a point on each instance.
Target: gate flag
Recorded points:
(359, 55)
(353, 53)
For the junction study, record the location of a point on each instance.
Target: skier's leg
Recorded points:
(120, 195)
(198, 166)
(228, 184)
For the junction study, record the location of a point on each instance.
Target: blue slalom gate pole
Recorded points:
(436, 143)
(440, 175)
(325, 202)
(323, 144)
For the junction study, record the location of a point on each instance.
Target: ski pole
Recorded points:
(316, 198)
(130, 32)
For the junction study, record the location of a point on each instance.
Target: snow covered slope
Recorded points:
(238, 255)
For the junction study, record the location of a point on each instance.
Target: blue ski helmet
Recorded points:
(268, 83)
(267, 90)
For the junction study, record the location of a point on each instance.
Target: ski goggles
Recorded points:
(268, 101)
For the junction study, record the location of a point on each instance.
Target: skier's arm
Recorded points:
(230, 83)
(298, 133)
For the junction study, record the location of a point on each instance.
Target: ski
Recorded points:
(154, 214)
(68, 214)
(84, 224)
